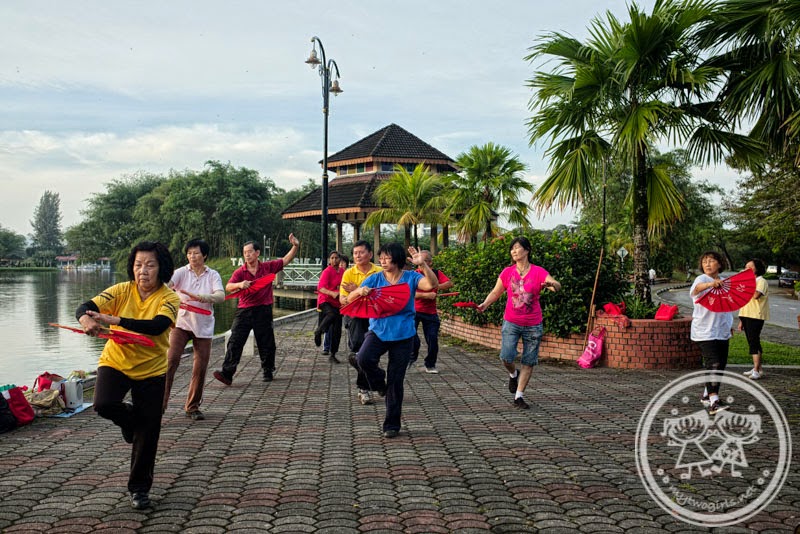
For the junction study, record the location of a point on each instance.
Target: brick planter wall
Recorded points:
(646, 344)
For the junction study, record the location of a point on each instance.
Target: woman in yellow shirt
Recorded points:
(144, 305)
(753, 315)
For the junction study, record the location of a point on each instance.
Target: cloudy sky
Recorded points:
(92, 91)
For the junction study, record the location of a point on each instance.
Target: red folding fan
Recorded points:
(259, 283)
(451, 294)
(380, 302)
(195, 309)
(733, 294)
(117, 336)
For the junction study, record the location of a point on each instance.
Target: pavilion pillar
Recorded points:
(356, 231)
(339, 236)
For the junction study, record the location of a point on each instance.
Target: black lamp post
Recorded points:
(328, 87)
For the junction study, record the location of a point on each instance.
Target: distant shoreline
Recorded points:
(28, 269)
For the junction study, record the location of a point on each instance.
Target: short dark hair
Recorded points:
(761, 269)
(363, 243)
(523, 242)
(204, 248)
(332, 252)
(344, 258)
(396, 252)
(255, 244)
(713, 254)
(165, 264)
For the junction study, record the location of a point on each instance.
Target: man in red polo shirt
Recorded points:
(425, 306)
(254, 311)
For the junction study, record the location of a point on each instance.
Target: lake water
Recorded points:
(29, 301)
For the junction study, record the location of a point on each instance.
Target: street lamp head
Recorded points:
(313, 60)
(335, 89)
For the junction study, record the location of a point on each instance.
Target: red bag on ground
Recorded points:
(666, 312)
(45, 381)
(594, 348)
(19, 405)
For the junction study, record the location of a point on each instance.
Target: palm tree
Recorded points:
(630, 86)
(757, 44)
(408, 199)
(490, 184)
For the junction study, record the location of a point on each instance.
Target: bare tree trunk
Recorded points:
(445, 236)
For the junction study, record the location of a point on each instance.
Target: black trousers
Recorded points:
(144, 419)
(259, 320)
(356, 330)
(715, 358)
(330, 318)
(752, 330)
(392, 380)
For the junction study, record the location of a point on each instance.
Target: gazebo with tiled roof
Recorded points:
(359, 169)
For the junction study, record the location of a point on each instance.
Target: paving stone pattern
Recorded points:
(300, 454)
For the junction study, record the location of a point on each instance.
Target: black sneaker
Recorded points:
(326, 353)
(717, 407)
(196, 415)
(334, 359)
(520, 404)
(140, 500)
(268, 376)
(512, 383)
(317, 338)
(390, 433)
(351, 359)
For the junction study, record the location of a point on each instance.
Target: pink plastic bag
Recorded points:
(594, 349)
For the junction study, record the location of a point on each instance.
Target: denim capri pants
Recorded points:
(531, 338)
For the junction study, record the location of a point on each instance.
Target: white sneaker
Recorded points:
(755, 375)
(748, 373)
(364, 397)
(431, 371)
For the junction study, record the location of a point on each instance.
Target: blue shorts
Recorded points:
(531, 338)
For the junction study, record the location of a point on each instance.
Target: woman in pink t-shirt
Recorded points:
(523, 282)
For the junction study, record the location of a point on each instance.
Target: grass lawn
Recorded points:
(774, 353)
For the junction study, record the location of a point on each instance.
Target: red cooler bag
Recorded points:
(19, 405)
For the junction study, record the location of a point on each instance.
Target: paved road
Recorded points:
(300, 455)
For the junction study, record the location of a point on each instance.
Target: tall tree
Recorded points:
(408, 199)
(757, 44)
(630, 86)
(11, 243)
(46, 223)
(489, 184)
(108, 227)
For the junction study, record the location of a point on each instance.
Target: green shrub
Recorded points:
(571, 258)
(636, 308)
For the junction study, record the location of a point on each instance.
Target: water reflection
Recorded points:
(45, 306)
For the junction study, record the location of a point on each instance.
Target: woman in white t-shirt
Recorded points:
(711, 330)
(753, 316)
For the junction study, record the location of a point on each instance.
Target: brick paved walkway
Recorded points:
(300, 455)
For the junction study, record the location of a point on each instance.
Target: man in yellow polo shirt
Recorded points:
(356, 327)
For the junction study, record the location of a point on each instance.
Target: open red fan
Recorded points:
(259, 283)
(195, 309)
(733, 294)
(117, 336)
(451, 294)
(380, 302)
(468, 304)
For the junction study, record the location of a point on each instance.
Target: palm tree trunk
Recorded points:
(641, 246)
(416, 238)
(434, 239)
(445, 236)
(407, 240)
